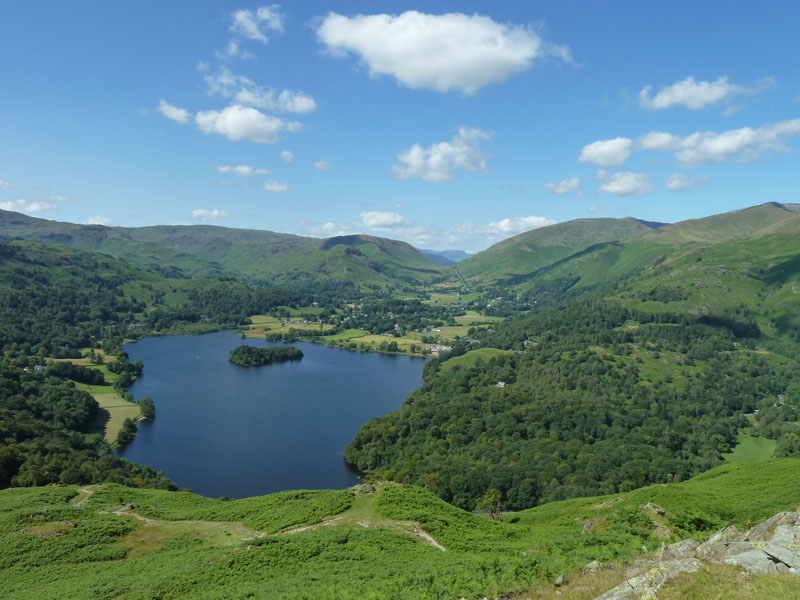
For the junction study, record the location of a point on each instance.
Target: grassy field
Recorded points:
(113, 408)
(386, 541)
(473, 317)
(751, 448)
(470, 358)
(266, 324)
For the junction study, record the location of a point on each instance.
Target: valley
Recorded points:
(596, 363)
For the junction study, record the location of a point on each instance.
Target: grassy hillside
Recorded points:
(384, 542)
(532, 250)
(210, 251)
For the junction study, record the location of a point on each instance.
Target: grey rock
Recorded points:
(715, 547)
(763, 531)
(654, 508)
(592, 567)
(783, 554)
(679, 550)
(754, 561)
(786, 535)
(647, 584)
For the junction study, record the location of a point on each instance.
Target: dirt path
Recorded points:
(407, 527)
(80, 501)
(245, 532)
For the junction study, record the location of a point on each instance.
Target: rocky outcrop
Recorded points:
(771, 548)
(646, 584)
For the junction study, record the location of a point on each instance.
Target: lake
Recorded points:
(224, 430)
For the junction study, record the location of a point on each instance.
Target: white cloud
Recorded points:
(238, 122)
(287, 156)
(398, 205)
(696, 95)
(202, 66)
(274, 186)
(711, 147)
(181, 115)
(5, 184)
(467, 236)
(253, 24)
(607, 153)
(598, 208)
(58, 198)
(441, 52)
(98, 220)
(322, 165)
(24, 205)
(383, 220)
(626, 183)
(203, 214)
(330, 229)
(437, 162)
(566, 186)
(241, 170)
(246, 91)
(678, 182)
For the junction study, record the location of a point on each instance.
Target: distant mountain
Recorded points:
(532, 250)
(211, 251)
(698, 265)
(445, 257)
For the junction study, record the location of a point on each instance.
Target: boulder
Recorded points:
(646, 584)
(679, 550)
(754, 561)
(763, 531)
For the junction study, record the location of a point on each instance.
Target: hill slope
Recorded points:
(391, 542)
(532, 250)
(211, 251)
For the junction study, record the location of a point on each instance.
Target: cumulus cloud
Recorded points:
(204, 215)
(98, 220)
(607, 153)
(275, 187)
(437, 162)
(287, 156)
(678, 182)
(254, 24)
(181, 115)
(238, 122)
(696, 95)
(5, 184)
(245, 91)
(441, 52)
(710, 147)
(24, 205)
(383, 220)
(626, 183)
(330, 229)
(597, 208)
(322, 165)
(566, 186)
(241, 170)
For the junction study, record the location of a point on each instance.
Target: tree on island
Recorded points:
(146, 407)
(250, 356)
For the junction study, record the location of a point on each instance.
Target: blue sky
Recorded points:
(447, 124)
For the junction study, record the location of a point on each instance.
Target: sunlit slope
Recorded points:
(532, 250)
(210, 251)
(716, 262)
(383, 542)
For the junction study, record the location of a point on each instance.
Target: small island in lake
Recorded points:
(250, 356)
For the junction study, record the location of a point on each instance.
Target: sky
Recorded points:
(449, 125)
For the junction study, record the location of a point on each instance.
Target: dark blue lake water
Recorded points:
(224, 430)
